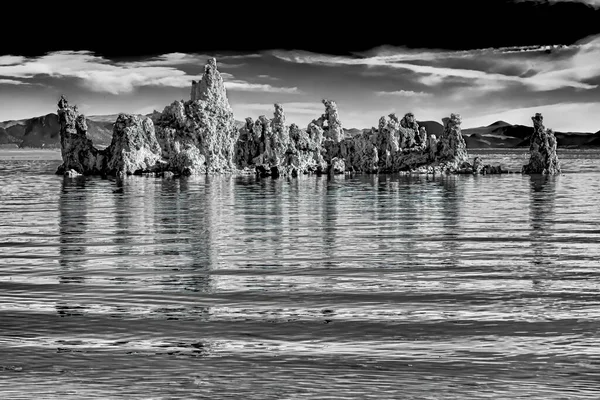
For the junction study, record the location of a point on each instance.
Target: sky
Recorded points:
(488, 60)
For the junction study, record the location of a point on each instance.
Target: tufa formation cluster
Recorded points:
(199, 136)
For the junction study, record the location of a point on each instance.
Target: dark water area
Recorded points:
(349, 287)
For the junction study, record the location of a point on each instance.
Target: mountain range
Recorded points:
(43, 132)
(503, 134)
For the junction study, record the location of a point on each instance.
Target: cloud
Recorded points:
(259, 87)
(306, 108)
(97, 73)
(102, 75)
(268, 77)
(179, 59)
(592, 3)
(403, 93)
(538, 68)
(171, 59)
(11, 60)
(12, 82)
(237, 56)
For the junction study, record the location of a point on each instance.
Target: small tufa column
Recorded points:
(78, 153)
(542, 148)
(451, 146)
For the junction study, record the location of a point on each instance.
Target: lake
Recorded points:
(368, 287)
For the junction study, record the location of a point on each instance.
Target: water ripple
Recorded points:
(473, 287)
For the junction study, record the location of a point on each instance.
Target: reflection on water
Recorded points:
(543, 193)
(73, 224)
(318, 287)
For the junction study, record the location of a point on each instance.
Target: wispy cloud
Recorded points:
(170, 59)
(593, 3)
(259, 87)
(403, 93)
(538, 68)
(97, 73)
(237, 56)
(12, 82)
(102, 75)
(178, 59)
(268, 77)
(11, 60)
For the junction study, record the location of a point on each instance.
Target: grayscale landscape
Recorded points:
(318, 218)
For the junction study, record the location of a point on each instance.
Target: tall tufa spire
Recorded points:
(211, 87)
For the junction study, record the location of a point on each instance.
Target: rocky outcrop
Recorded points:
(421, 138)
(78, 152)
(409, 133)
(432, 146)
(451, 147)
(331, 122)
(199, 135)
(477, 167)
(272, 148)
(397, 145)
(211, 88)
(400, 145)
(134, 147)
(360, 152)
(542, 149)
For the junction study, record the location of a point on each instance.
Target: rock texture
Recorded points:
(542, 148)
(451, 149)
(410, 131)
(330, 122)
(199, 135)
(401, 145)
(477, 167)
(133, 149)
(269, 147)
(78, 152)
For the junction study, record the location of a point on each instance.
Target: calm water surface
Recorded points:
(368, 287)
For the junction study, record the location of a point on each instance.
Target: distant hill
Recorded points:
(16, 131)
(44, 131)
(577, 139)
(9, 123)
(503, 134)
(498, 124)
(432, 127)
(595, 141)
(111, 118)
(6, 138)
(498, 134)
(41, 132)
